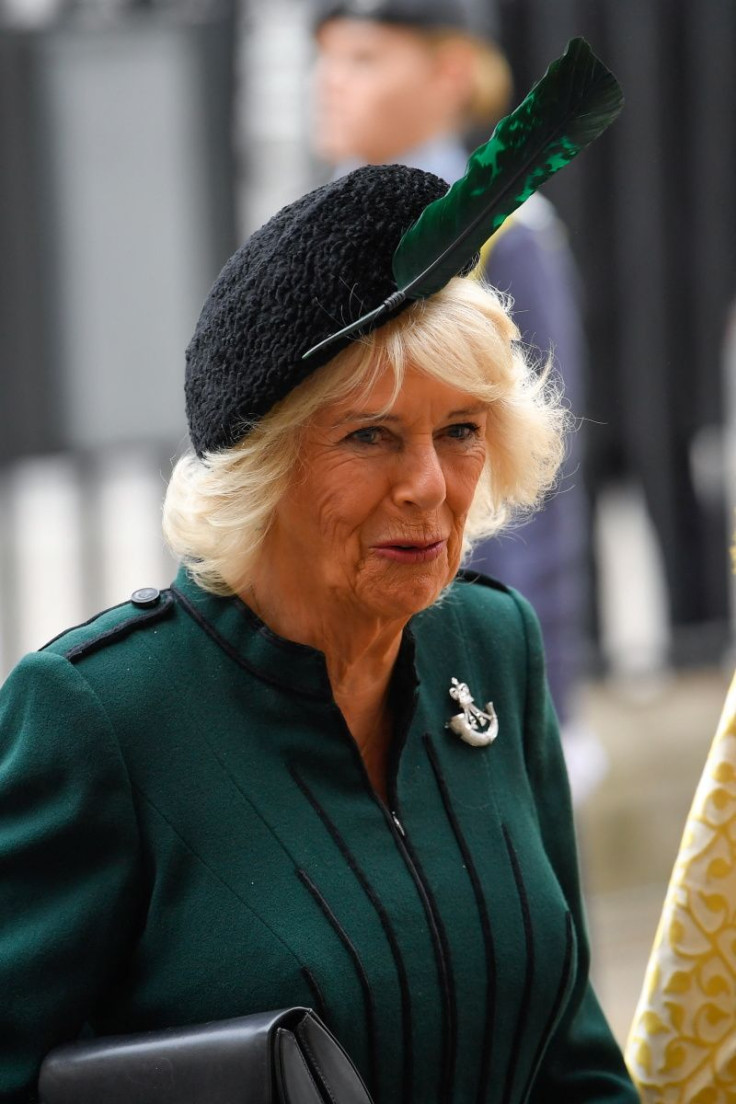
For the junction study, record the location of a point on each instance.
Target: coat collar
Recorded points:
(284, 663)
(250, 642)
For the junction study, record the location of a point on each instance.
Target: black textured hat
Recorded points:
(351, 255)
(476, 17)
(315, 266)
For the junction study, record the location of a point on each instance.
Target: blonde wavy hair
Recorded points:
(218, 509)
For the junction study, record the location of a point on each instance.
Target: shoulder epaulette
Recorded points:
(149, 605)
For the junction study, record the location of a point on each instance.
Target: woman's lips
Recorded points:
(411, 552)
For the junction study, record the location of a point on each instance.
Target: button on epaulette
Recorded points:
(145, 597)
(152, 606)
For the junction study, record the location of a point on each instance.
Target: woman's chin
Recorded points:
(402, 593)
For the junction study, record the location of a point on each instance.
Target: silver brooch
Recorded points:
(476, 726)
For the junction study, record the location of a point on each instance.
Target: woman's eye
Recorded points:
(463, 431)
(368, 435)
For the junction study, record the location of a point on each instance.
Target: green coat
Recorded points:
(187, 833)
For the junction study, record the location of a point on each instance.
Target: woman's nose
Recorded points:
(420, 478)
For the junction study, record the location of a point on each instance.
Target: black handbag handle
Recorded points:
(330, 1064)
(282, 1057)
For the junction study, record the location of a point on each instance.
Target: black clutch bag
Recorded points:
(286, 1057)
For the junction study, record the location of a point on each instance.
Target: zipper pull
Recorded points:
(398, 823)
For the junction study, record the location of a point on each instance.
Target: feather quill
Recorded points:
(572, 104)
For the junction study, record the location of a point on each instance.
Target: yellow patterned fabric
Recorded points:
(682, 1045)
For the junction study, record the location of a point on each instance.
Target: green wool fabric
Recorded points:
(187, 833)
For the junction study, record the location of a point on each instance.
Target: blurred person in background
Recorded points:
(271, 783)
(412, 81)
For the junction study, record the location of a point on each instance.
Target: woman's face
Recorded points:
(375, 515)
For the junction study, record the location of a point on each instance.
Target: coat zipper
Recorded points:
(390, 809)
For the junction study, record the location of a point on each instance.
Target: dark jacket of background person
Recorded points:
(210, 846)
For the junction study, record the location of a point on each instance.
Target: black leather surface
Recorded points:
(296, 1084)
(228, 1062)
(330, 1064)
(284, 1057)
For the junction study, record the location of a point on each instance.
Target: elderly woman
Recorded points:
(322, 768)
